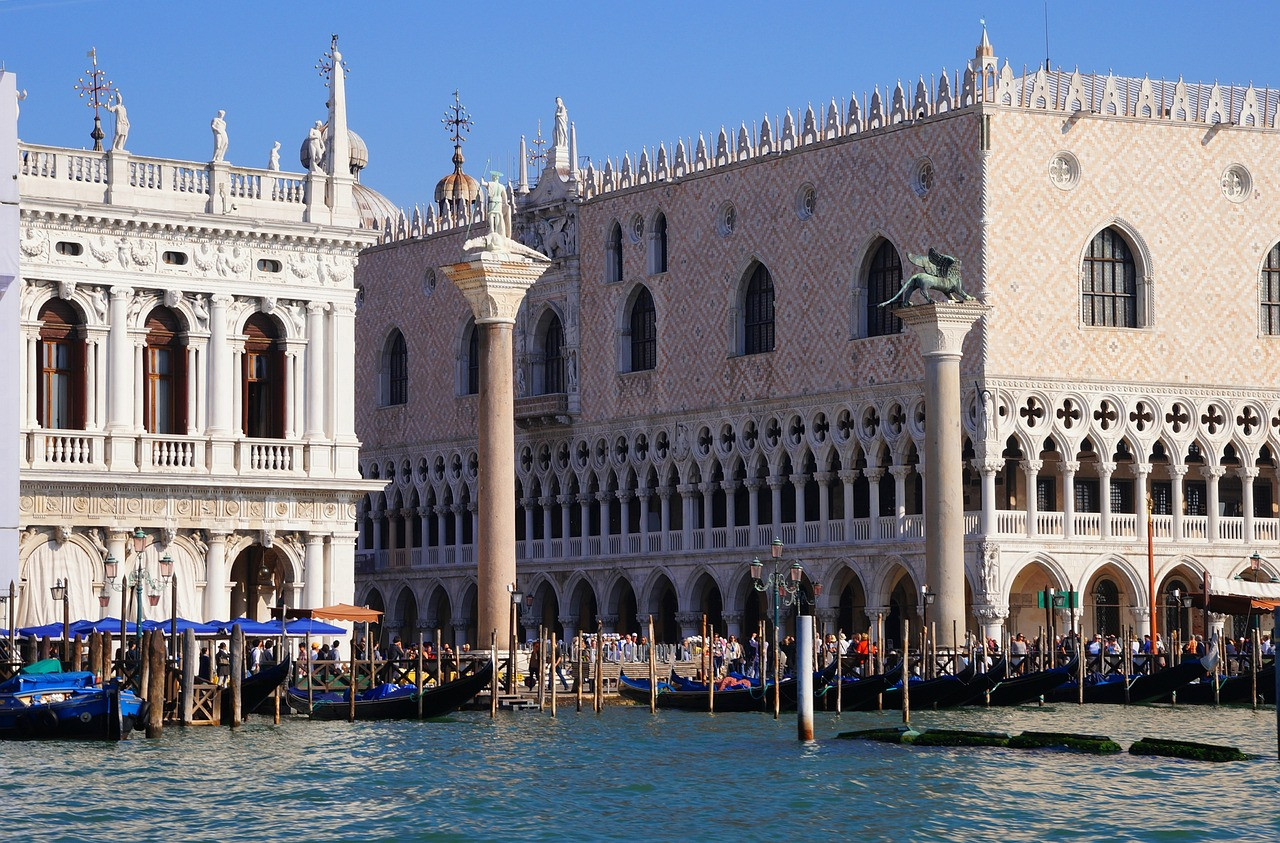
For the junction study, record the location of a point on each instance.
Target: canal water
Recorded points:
(626, 774)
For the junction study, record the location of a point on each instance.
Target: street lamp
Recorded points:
(137, 582)
(517, 597)
(787, 589)
(783, 588)
(59, 592)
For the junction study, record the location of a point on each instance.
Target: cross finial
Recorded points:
(539, 144)
(330, 60)
(96, 89)
(457, 120)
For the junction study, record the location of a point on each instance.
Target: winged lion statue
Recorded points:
(938, 272)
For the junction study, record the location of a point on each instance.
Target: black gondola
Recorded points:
(855, 693)
(940, 692)
(1024, 689)
(255, 689)
(1142, 688)
(388, 702)
(686, 695)
(1232, 690)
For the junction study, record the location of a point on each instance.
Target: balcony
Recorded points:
(541, 411)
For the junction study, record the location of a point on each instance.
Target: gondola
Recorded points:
(687, 695)
(391, 702)
(256, 689)
(940, 692)
(1232, 690)
(1142, 688)
(855, 693)
(1024, 689)
(66, 705)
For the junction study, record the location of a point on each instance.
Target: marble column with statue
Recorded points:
(940, 327)
(493, 275)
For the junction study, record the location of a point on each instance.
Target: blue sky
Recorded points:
(631, 74)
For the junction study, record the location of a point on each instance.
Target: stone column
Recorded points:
(1032, 469)
(941, 329)
(602, 503)
(733, 623)
(584, 518)
(624, 515)
(1212, 474)
(690, 623)
(565, 502)
(988, 468)
(1105, 470)
(217, 603)
(753, 510)
(494, 282)
(899, 473)
(120, 363)
(775, 492)
(664, 492)
(643, 496)
(1247, 475)
(686, 515)
(546, 502)
(992, 618)
(708, 489)
(313, 562)
(873, 500)
(222, 380)
(1069, 469)
(797, 488)
(315, 368)
(823, 479)
(1141, 471)
(342, 565)
(847, 476)
(1176, 473)
(526, 508)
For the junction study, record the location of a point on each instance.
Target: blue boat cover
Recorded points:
(111, 625)
(183, 625)
(49, 630)
(31, 681)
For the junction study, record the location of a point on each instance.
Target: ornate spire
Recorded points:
(457, 188)
(96, 89)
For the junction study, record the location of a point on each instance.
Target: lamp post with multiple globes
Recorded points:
(786, 589)
(136, 583)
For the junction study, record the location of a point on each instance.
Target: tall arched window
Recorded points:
(473, 360)
(1107, 607)
(1270, 315)
(757, 312)
(60, 387)
(884, 279)
(263, 386)
(644, 332)
(164, 403)
(395, 370)
(658, 245)
(553, 356)
(613, 255)
(1109, 283)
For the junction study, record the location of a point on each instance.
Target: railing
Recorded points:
(269, 456)
(1124, 525)
(835, 531)
(812, 532)
(1088, 525)
(861, 531)
(1230, 528)
(787, 532)
(1011, 522)
(1049, 523)
(400, 558)
(415, 557)
(1265, 530)
(171, 452)
(972, 523)
(655, 542)
(1195, 526)
(381, 558)
(66, 448)
(913, 526)
(888, 525)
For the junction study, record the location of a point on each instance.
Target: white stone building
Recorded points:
(188, 333)
(9, 339)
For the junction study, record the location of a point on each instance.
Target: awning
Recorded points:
(311, 626)
(1235, 604)
(341, 612)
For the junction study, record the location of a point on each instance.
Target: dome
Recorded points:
(359, 152)
(374, 208)
(457, 184)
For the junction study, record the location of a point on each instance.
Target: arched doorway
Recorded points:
(707, 599)
(662, 605)
(904, 605)
(259, 576)
(851, 608)
(407, 613)
(623, 606)
(439, 615)
(583, 606)
(1026, 614)
(547, 608)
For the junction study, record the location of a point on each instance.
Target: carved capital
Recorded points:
(494, 283)
(1070, 466)
(991, 613)
(941, 326)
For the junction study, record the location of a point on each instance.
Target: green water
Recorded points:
(628, 775)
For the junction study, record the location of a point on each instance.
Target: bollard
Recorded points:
(577, 669)
(155, 657)
(237, 672)
(553, 656)
(95, 657)
(598, 685)
(188, 675)
(107, 656)
(493, 679)
(804, 677)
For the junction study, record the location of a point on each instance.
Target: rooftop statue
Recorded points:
(560, 135)
(499, 209)
(273, 161)
(219, 127)
(122, 122)
(939, 272)
(316, 147)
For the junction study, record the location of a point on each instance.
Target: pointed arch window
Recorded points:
(757, 312)
(644, 332)
(613, 255)
(473, 360)
(658, 245)
(1270, 315)
(164, 402)
(553, 367)
(884, 279)
(60, 387)
(395, 370)
(1109, 283)
(262, 379)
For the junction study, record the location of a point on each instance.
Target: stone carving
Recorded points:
(64, 532)
(335, 270)
(66, 289)
(991, 570)
(100, 249)
(571, 370)
(273, 161)
(268, 536)
(28, 535)
(233, 262)
(940, 272)
(316, 147)
(100, 303)
(200, 307)
(303, 267)
(197, 540)
(96, 539)
(172, 298)
(170, 534)
(219, 127)
(205, 257)
(555, 237)
(560, 134)
(122, 122)
(499, 207)
(267, 304)
(32, 243)
(521, 388)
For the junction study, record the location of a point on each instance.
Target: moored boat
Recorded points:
(1024, 689)
(391, 702)
(688, 695)
(1142, 688)
(51, 704)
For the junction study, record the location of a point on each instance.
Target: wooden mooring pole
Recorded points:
(237, 673)
(493, 678)
(155, 657)
(95, 657)
(597, 686)
(577, 670)
(653, 671)
(554, 655)
(906, 674)
(188, 675)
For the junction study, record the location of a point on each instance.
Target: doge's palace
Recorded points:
(187, 337)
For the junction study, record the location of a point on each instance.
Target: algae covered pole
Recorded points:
(1277, 673)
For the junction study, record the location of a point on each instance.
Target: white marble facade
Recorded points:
(187, 336)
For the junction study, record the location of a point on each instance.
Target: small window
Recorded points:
(1109, 283)
(613, 255)
(175, 258)
(658, 246)
(884, 277)
(395, 370)
(644, 333)
(69, 249)
(268, 265)
(1271, 293)
(757, 311)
